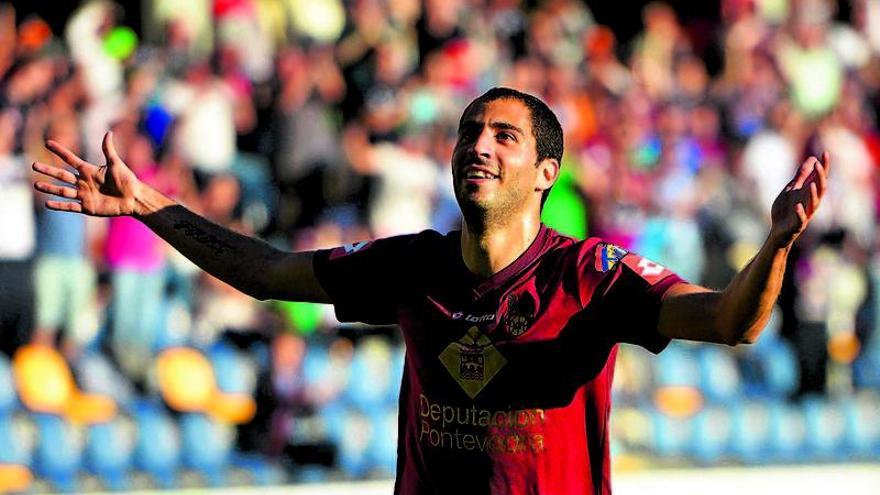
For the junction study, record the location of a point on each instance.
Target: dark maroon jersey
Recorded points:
(507, 382)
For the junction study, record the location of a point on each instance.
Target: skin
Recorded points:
(501, 219)
(501, 215)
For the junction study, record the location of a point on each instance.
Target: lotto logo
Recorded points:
(347, 249)
(353, 248)
(649, 268)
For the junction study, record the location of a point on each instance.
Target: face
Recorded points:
(494, 168)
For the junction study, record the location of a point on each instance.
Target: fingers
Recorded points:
(109, 149)
(54, 172)
(64, 206)
(803, 172)
(801, 213)
(819, 179)
(56, 190)
(814, 199)
(65, 154)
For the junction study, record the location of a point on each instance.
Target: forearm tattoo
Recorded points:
(195, 232)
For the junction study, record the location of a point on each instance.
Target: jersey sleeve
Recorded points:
(365, 279)
(625, 290)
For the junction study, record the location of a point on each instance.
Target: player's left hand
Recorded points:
(797, 203)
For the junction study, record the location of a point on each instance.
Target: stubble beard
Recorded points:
(482, 215)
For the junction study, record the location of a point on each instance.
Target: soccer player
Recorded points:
(510, 328)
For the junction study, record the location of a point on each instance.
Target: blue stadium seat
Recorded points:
(157, 451)
(207, 446)
(109, 451)
(677, 366)
(382, 451)
(18, 437)
(315, 363)
(369, 376)
(633, 375)
(862, 416)
(719, 375)
(319, 371)
(58, 454)
(713, 431)
(353, 446)
(750, 440)
(96, 374)
(8, 399)
(311, 474)
(771, 370)
(866, 369)
(233, 371)
(788, 433)
(332, 417)
(826, 423)
(672, 435)
(398, 361)
(632, 427)
(261, 470)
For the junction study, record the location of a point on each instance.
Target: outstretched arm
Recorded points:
(246, 263)
(739, 313)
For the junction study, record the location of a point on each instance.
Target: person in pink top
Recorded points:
(136, 259)
(511, 328)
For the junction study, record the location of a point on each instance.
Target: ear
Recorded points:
(548, 172)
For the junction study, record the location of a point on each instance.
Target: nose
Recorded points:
(483, 146)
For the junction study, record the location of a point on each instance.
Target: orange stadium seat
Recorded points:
(45, 384)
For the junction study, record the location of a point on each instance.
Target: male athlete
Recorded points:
(510, 328)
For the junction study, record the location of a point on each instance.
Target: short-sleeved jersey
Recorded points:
(507, 382)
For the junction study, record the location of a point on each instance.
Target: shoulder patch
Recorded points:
(647, 269)
(607, 256)
(347, 249)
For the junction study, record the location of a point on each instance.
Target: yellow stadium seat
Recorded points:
(14, 478)
(187, 384)
(678, 401)
(186, 379)
(45, 385)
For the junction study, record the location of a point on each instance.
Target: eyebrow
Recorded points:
(469, 124)
(507, 126)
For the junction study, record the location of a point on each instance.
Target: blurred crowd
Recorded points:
(315, 123)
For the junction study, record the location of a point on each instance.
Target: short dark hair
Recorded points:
(545, 126)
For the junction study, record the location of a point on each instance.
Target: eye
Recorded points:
(506, 136)
(466, 134)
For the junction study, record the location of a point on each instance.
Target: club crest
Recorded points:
(607, 256)
(519, 315)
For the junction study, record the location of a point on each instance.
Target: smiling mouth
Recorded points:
(479, 174)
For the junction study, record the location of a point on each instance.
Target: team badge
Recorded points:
(607, 256)
(519, 315)
(472, 361)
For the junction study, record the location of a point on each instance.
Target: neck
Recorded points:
(488, 248)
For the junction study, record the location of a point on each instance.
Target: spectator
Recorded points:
(18, 244)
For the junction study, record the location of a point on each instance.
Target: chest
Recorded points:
(528, 346)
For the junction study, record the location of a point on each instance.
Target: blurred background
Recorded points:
(313, 123)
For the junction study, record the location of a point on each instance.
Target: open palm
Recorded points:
(99, 191)
(797, 203)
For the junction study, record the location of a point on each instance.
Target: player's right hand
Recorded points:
(105, 191)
